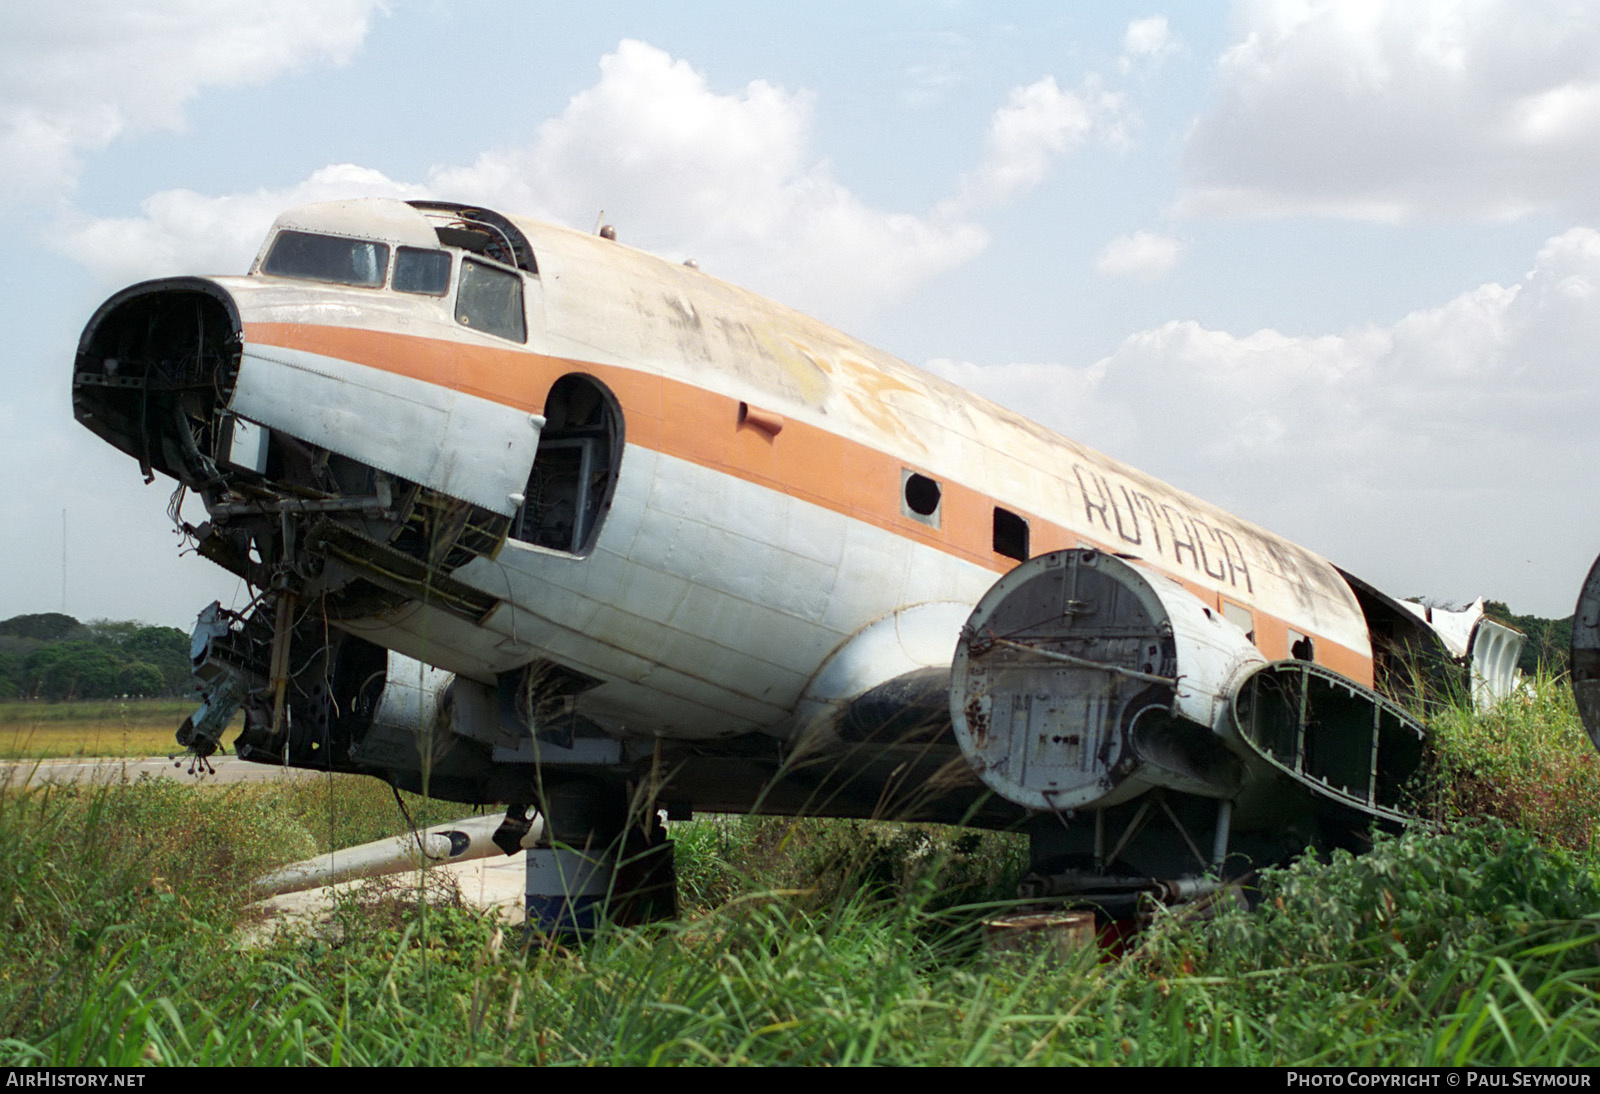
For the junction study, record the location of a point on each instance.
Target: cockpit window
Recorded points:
(490, 300)
(422, 271)
(311, 257)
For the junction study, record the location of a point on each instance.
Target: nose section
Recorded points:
(165, 373)
(155, 367)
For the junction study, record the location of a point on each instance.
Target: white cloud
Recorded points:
(74, 77)
(1143, 256)
(1039, 123)
(1398, 111)
(730, 179)
(180, 231)
(1483, 405)
(1146, 41)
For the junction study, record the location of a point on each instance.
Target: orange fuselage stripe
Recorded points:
(687, 422)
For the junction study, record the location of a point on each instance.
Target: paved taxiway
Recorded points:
(226, 769)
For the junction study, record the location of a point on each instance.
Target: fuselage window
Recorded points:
(919, 497)
(1240, 617)
(491, 300)
(310, 257)
(422, 271)
(1010, 535)
(1301, 647)
(574, 469)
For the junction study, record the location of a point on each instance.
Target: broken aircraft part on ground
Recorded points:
(461, 840)
(539, 520)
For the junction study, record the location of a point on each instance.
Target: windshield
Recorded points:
(421, 271)
(327, 258)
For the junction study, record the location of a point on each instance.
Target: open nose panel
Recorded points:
(460, 445)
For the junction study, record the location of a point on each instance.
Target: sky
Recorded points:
(1332, 266)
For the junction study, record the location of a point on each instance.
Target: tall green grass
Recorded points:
(1487, 974)
(802, 942)
(1527, 762)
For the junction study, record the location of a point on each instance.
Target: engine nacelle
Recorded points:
(1082, 680)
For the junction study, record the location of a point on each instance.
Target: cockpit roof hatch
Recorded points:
(484, 231)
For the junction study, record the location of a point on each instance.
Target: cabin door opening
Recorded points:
(575, 468)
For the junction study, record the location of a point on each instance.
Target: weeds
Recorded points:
(720, 858)
(802, 942)
(1527, 762)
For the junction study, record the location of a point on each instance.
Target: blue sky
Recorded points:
(1332, 266)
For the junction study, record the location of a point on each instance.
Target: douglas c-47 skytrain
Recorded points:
(539, 520)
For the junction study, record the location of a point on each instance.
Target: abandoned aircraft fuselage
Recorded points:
(541, 519)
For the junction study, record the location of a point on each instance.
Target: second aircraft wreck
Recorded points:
(539, 520)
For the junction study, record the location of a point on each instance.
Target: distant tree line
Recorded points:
(1549, 640)
(53, 656)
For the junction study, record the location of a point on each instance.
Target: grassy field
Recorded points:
(118, 728)
(810, 942)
